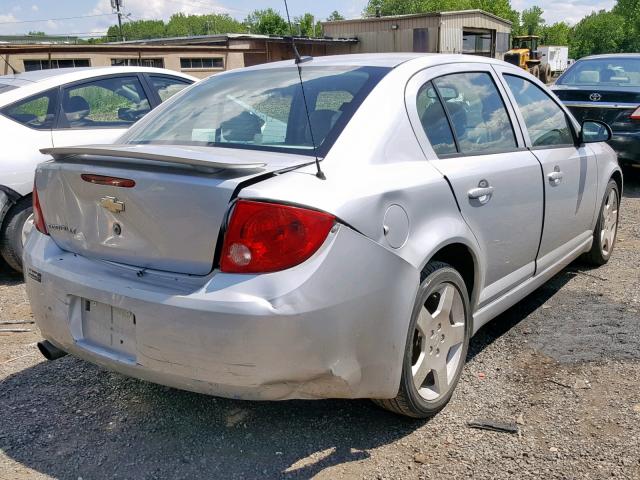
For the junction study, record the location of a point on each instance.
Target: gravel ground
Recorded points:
(562, 364)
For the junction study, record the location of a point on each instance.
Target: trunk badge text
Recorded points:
(112, 204)
(595, 97)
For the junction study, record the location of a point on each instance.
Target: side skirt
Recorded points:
(495, 308)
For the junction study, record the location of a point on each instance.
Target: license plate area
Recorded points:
(107, 330)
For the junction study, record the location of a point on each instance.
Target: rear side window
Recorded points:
(476, 112)
(167, 87)
(546, 122)
(38, 111)
(109, 102)
(434, 120)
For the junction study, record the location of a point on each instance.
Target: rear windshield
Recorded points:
(617, 72)
(5, 88)
(262, 110)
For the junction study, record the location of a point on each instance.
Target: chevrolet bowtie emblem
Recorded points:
(112, 204)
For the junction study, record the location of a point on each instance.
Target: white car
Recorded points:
(61, 107)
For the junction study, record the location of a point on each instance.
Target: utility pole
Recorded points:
(117, 4)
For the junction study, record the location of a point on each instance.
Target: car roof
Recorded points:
(389, 60)
(611, 55)
(64, 75)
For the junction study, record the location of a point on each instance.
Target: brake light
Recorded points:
(267, 237)
(636, 114)
(110, 181)
(38, 218)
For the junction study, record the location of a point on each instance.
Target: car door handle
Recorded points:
(555, 177)
(482, 194)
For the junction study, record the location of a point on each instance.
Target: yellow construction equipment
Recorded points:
(525, 55)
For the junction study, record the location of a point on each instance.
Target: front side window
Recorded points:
(546, 122)
(38, 111)
(476, 112)
(262, 110)
(167, 87)
(106, 103)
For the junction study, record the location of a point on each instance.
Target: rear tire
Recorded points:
(604, 236)
(436, 346)
(535, 71)
(14, 228)
(545, 74)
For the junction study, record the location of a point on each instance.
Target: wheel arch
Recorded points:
(617, 177)
(12, 197)
(462, 257)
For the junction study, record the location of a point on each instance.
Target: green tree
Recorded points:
(557, 34)
(179, 26)
(501, 8)
(137, 30)
(599, 32)
(37, 34)
(630, 11)
(266, 22)
(307, 26)
(335, 16)
(532, 21)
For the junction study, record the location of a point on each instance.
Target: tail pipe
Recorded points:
(50, 351)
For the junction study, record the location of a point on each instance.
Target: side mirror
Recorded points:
(594, 131)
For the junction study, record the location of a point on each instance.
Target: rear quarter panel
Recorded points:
(607, 167)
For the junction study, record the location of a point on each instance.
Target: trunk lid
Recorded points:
(170, 220)
(612, 105)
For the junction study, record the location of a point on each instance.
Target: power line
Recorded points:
(56, 19)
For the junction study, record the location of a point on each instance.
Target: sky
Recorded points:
(51, 16)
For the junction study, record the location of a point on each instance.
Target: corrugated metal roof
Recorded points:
(426, 14)
(223, 38)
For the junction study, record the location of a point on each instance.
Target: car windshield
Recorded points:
(262, 110)
(614, 71)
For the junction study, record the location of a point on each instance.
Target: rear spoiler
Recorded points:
(185, 155)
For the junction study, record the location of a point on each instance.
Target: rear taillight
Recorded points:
(38, 218)
(636, 114)
(267, 237)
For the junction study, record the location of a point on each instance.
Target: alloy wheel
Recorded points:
(438, 342)
(609, 223)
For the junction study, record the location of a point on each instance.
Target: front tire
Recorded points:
(17, 225)
(604, 236)
(436, 346)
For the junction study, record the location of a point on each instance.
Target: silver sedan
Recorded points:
(343, 234)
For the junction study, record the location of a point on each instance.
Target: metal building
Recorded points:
(468, 31)
(199, 56)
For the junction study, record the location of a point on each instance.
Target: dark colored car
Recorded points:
(607, 88)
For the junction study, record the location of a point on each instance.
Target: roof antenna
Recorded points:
(299, 60)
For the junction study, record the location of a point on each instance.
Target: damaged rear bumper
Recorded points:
(333, 327)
